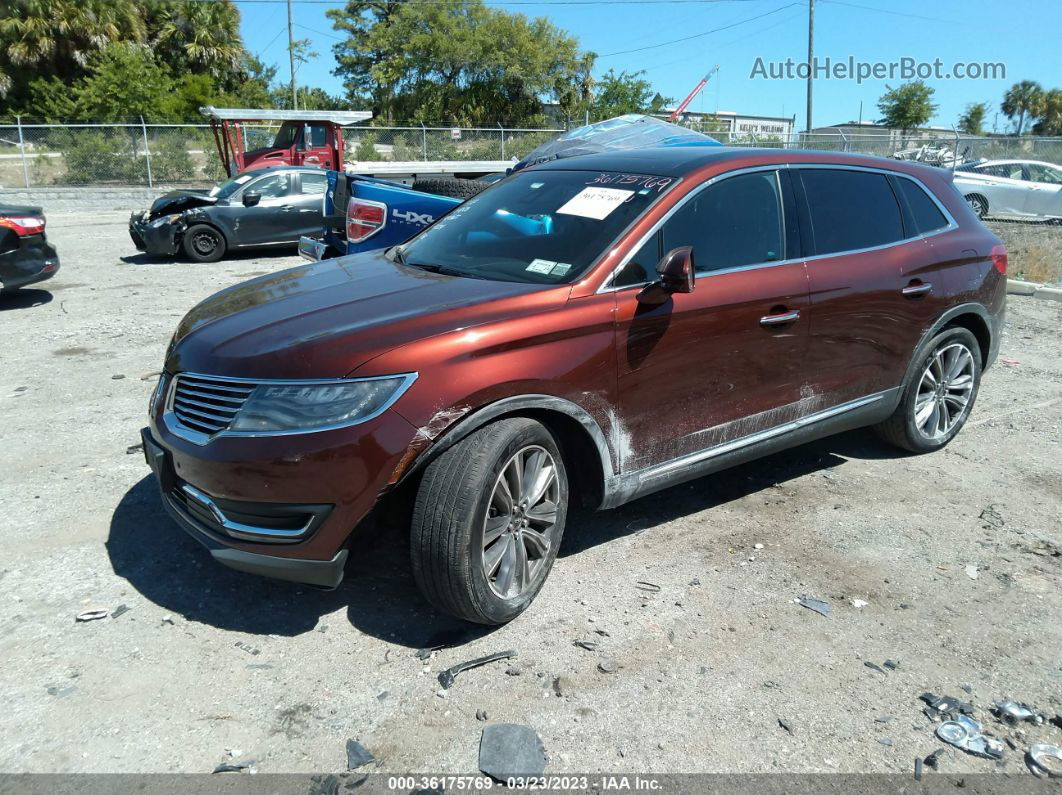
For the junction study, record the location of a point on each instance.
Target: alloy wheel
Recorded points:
(521, 517)
(944, 391)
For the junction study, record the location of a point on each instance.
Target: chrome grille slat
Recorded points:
(207, 405)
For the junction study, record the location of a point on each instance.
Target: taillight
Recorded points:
(23, 225)
(364, 219)
(999, 258)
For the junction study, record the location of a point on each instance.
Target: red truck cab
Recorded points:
(305, 138)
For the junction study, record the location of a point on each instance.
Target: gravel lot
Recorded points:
(209, 664)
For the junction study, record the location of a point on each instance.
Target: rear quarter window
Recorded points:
(850, 210)
(927, 216)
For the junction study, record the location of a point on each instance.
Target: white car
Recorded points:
(1017, 188)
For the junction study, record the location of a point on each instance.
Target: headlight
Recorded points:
(317, 405)
(166, 219)
(160, 387)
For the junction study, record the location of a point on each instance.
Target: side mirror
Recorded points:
(250, 199)
(677, 274)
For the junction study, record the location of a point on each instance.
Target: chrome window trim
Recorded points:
(173, 423)
(606, 285)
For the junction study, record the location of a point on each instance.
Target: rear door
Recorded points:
(875, 284)
(725, 361)
(307, 202)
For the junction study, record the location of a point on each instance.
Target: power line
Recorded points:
(699, 35)
(493, 2)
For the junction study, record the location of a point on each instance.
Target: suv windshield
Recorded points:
(541, 227)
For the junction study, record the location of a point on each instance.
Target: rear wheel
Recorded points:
(979, 205)
(203, 243)
(488, 520)
(939, 396)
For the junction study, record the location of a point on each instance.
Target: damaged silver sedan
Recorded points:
(265, 207)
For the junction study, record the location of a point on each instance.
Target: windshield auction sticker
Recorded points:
(595, 203)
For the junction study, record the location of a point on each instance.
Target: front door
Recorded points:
(725, 361)
(313, 147)
(272, 220)
(1044, 197)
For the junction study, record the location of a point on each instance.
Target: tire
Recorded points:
(979, 204)
(450, 186)
(203, 243)
(461, 494)
(910, 427)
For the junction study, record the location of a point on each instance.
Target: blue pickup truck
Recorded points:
(364, 213)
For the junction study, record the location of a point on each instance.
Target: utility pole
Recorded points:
(811, 54)
(291, 60)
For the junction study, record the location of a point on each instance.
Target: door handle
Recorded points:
(780, 319)
(917, 288)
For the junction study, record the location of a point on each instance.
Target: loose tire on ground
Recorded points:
(909, 427)
(450, 186)
(203, 243)
(458, 509)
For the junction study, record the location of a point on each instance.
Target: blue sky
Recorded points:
(1022, 34)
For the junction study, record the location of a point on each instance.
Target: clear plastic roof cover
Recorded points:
(632, 131)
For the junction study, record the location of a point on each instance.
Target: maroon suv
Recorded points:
(596, 328)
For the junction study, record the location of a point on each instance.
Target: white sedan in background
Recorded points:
(1017, 188)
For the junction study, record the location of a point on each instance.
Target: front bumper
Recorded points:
(153, 239)
(279, 506)
(34, 260)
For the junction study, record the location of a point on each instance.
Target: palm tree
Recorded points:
(1022, 98)
(1050, 113)
(203, 37)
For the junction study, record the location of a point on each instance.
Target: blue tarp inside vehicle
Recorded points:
(632, 131)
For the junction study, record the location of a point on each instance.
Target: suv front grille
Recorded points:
(208, 405)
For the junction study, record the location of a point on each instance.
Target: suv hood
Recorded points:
(178, 201)
(324, 320)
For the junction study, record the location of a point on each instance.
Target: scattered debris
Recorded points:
(757, 546)
(971, 571)
(859, 603)
(885, 741)
(233, 767)
(507, 750)
(991, 516)
(944, 707)
(1044, 761)
(481, 714)
(117, 377)
(918, 769)
(447, 677)
(651, 587)
(1009, 360)
(134, 448)
(589, 645)
(933, 760)
(875, 667)
(965, 734)
(892, 665)
(441, 640)
(93, 615)
(695, 582)
(1056, 721)
(608, 666)
(818, 605)
(167, 619)
(786, 725)
(357, 755)
(1013, 713)
(120, 610)
(883, 718)
(968, 689)
(247, 647)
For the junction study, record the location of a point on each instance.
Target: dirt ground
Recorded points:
(209, 665)
(1034, 249)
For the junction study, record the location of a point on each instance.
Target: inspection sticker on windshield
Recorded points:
(595, 203)
(541, 266)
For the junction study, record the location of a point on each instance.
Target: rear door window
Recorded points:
(850, 210)
(312, 184)
(924, 211)
(731, 223)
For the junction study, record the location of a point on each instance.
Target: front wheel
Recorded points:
(939, 396)
(488, 520)
(204, 243)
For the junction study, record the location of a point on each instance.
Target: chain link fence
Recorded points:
(40, 155)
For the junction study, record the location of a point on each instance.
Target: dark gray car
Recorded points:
(264, 207)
